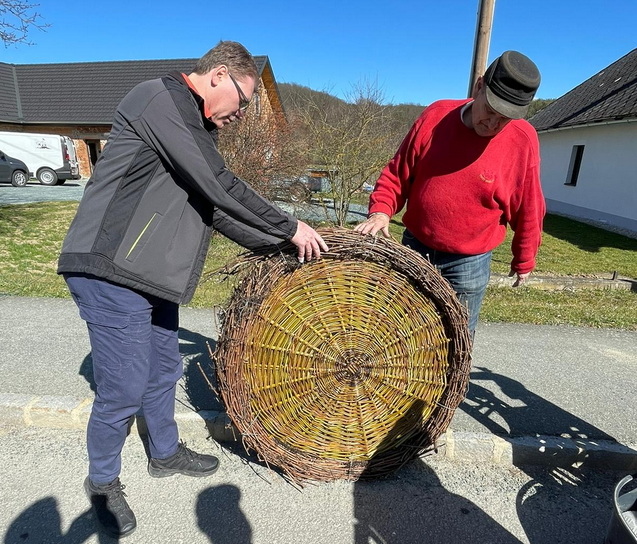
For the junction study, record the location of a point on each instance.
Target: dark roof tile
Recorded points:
(8, 97)
(607, 96)
(79, 93)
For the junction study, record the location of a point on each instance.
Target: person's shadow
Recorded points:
(196, 390)
(220, 517)
(411, 506)
(86, 371)
(41, 522)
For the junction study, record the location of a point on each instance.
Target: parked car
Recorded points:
(51, 158)
(13, 170)
(319, 184)
(289, 190)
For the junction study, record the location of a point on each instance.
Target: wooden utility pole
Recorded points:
(482, 40)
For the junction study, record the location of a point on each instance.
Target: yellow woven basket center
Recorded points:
(339, 355)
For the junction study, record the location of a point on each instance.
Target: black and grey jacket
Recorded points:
(158, 190)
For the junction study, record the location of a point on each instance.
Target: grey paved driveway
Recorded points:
(72, 190)
(34, 192)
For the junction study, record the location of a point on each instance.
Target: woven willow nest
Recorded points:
(346, 367)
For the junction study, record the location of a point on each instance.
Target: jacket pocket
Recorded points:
(143, 237)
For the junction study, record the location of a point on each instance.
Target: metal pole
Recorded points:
(482, 40)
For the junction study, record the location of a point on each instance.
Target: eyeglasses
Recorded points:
(244, 102)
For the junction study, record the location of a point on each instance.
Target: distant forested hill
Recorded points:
(293, 96)
(404, 114)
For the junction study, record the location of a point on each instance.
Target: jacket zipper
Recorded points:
(141, 234)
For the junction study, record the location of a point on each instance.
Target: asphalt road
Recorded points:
(432, 501)
(72, 190)
(526, 380)
(35, 192)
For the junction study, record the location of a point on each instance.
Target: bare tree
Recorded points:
(351, 141)
(17, 18)
(263, 150)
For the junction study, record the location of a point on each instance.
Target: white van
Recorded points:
(51, 158)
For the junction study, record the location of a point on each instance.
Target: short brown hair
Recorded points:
(233, 55)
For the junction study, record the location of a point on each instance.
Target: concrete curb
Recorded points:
(460, 446)
(565, 283)
(538, 450)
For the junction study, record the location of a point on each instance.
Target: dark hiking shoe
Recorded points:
(110, 507)
(185, 461)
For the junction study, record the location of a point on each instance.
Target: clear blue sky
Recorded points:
(415, 51)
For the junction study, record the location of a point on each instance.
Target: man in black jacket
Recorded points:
(136, 249)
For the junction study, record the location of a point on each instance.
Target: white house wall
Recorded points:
(606, 189)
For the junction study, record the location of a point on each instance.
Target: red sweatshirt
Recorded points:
(463, 189)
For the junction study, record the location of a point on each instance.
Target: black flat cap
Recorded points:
(511, 82)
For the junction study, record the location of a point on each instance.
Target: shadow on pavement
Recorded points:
(411, 506)
(41, 523)
(193, 348)
(220, 517)
(550, 506)
(86, 371)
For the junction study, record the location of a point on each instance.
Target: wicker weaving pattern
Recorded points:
(345, 367)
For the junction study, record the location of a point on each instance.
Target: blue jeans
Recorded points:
(467, 274)
(136, 365)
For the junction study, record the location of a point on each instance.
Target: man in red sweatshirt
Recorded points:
(466, 170)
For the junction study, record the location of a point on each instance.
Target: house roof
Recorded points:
(609, 95)
(83, 93)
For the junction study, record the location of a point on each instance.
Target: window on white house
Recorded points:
(573, 168)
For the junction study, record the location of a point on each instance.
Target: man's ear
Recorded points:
(477, 87)
(217, 74)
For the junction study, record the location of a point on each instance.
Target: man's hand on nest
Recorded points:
(308, 242)
(376, 222)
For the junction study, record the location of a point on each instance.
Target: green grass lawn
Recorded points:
(570, 248)
(31, 237)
